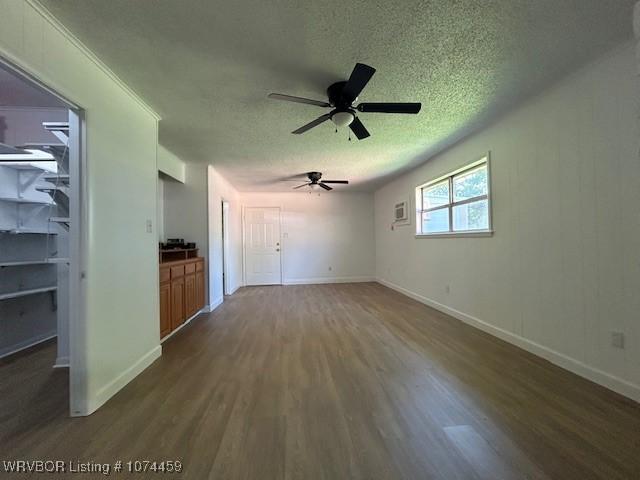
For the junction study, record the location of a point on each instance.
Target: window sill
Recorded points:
(477, 233)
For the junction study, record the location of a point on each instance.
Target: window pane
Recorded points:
(435, 221)
(471, 216)
(435, 195)
(470, 184)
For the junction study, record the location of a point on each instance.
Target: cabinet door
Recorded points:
(190, 295)
(199, 290)
(165, 309)
(177, 302)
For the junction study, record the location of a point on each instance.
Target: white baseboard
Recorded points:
(215, 304)
(605, 379)
(322, 280)
(235, 289)
(27, 344)
(62, 362)
(204, 309)
(115, 385)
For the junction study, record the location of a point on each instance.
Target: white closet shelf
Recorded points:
(27, 155)
(56, 125)
(54, 178)
(24, 293)
(24, 262)
(26, 200)
(57, 260)
(32, 231)
(29, 166)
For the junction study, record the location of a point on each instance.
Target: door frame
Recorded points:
(78, 238)
(226, 287)
(244, 242)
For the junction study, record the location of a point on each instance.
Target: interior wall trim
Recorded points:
(62, 362)
(618, 385)
(322, 280)
(204, 309)
(115, 385)
(215, 304)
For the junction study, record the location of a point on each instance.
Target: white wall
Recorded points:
(561, 271)
(185, 208)
(220, 189)
(171, 165)
(160, 212)
(119, 335)
(334, 230)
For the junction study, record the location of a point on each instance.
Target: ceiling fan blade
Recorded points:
(358, 129)
(300, 186)
(310, 125)
(357, 81)
(326, 187)
(389, 107)
(336, 181)
(291, 98)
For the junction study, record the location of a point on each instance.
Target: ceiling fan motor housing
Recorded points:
(336, 97)
(343, 115)
(314, 177)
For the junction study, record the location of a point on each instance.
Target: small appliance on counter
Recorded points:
(173, 243)
(176, 249)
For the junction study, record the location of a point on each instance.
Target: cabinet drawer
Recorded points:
(177, 271)
(200, 265)
(165, 275)
(190, 268)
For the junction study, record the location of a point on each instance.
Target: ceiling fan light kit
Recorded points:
(342, 119)
(342, 96)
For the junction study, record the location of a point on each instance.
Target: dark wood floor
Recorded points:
(351, 381)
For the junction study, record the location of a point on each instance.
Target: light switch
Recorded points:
(149, 226)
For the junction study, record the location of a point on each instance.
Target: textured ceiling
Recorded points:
(207, 67)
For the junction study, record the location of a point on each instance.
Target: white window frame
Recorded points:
(484, 160)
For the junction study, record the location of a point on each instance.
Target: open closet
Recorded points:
(38, 194)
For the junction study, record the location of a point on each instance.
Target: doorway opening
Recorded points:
(40, 189)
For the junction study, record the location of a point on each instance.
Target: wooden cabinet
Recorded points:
(190, 305)
(165, 309)
(200, 288)
(182, 293)
(177, 302)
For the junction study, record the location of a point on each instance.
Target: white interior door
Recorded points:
(262, 246)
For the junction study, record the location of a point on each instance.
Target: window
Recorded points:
(457, 203)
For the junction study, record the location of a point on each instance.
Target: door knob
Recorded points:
(277, 249)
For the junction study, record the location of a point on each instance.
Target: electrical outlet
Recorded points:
(447, 289)
(617, 339)
(149, 226)
(330, 268)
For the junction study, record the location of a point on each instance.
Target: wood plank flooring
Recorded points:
(350, 381)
